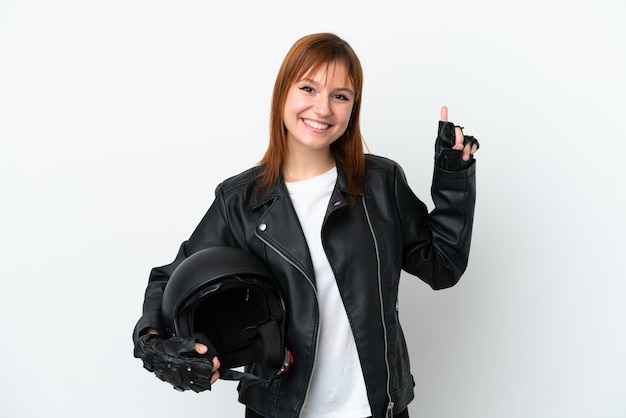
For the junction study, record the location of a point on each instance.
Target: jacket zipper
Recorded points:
(389, 412)
(317, 334)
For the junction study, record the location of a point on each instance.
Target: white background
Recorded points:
(119, 118)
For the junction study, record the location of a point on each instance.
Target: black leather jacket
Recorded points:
(368, 243)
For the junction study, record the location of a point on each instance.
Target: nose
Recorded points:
(321, 107)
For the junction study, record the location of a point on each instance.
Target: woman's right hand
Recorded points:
(202, 349)
(169, 360)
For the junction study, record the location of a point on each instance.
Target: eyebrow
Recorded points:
(309, 80)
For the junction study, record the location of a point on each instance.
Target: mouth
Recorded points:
(316, 125)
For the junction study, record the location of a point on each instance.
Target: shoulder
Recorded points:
(377, 165)
(383, 171)
(239, 181)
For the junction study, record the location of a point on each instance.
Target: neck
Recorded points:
(301, 167)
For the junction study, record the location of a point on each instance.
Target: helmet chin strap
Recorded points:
(230, 374)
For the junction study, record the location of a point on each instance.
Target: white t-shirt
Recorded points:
(337, 387)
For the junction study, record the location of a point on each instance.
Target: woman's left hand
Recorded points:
(469, 147)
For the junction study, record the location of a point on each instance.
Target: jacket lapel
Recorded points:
(279, 228)
(338, 197)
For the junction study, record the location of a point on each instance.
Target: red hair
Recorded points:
(308, 55)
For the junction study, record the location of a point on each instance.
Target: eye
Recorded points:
(341, 97)
(306, 89)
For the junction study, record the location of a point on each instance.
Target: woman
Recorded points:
(335, 227)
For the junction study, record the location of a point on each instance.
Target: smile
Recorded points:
(315, 125)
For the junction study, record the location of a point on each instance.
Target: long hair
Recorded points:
(309, 54)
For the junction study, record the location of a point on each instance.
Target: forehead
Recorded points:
(329, 73)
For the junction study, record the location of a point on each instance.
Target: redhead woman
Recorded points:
(335, 227)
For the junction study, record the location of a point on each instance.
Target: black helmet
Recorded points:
(227, 298)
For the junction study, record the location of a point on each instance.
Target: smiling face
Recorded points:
(317, 109)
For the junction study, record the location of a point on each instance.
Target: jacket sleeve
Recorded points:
(213, 230)
(437, 246)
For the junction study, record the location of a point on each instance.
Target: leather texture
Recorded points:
(368, 243)
(175, 361)
(447, 158)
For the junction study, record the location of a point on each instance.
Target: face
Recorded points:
(317, 109)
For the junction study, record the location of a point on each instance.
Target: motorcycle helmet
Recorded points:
(227, 298)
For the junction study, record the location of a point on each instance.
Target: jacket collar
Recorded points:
(278, 224)
(280, 189)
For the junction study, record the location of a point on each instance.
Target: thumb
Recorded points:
(201, 348)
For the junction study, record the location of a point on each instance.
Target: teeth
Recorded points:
(316, 125)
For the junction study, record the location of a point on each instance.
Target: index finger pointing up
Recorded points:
(444, 113)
